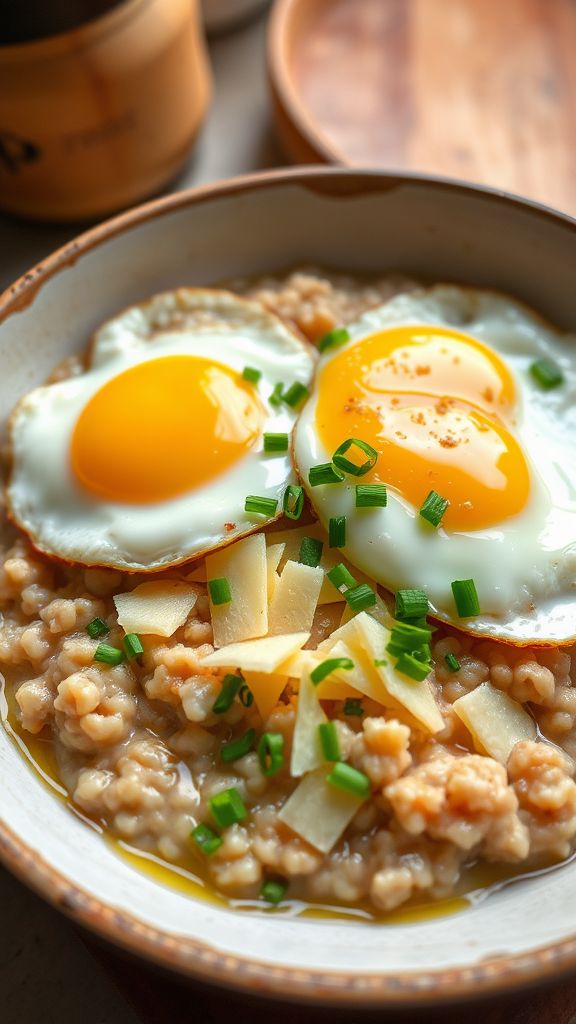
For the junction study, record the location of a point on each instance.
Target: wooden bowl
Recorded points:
(365, 221)
(464, 88)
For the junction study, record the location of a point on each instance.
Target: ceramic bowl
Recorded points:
(367, 221)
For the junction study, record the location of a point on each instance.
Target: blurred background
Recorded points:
(106, 103)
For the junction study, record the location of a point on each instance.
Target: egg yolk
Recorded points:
(164, 427)
(438, 407)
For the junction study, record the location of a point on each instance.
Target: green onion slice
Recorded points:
(408, 637)
(465, 598)
(334, 338)
(252, 375)
(340, 577)
(245, 696)
(231, 685)
(310, 551)
(344, 776)
(381, 662)
(238, 748)
(275, 443)
(434, 508)
(108, 655)
(97, 628)
(411, 604)
(219, 590)
(274, 891)
(325, 668)
(271, 752)
(325, 473)
(371, 496)
(262, 506)
(353, 707)
(329, 741)
(337, 532)
(206, 839)
(452, 662)
(293, 502)
(228, 808)
(356, 469)
(295, 395)
(360, 597)
(546, 373)
(133, 646)
(276, 397)
(413, 667)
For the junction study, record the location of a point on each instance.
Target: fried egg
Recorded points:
(438, 383)
(145, 459)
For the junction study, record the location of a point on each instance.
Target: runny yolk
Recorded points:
(438, 406)
(164, 427)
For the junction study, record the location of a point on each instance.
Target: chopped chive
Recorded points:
(354, 468)
(380, 662)
(421, 622)
(262, 506)
(452, 662)
(295, 395)
(219, 590)
(409, 637)
(276, 443)
(411, 604)
(546, 373)
(411, 666)
(293, 502)
(340, 577)
(108, 655)
(276, 397)
(360, 597)
(338, 336)
(274, 892)
(228, 807)
(344, 776)
(206, 839)
(97, 628)
(353, 707)
(329, 741)
(271, 752)
(238, 748)
(337, 532)
(325, 473)
(310, 551)
(434, 508)
(245, 696)
(465, 598)
(423, 653)
(231, 685)
(133, 646)
(252, 375)
(371, 496)
(325, 668)
(395, 649)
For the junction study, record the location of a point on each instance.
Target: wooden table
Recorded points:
(48, 973)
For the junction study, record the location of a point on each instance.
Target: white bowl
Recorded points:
(344, 219)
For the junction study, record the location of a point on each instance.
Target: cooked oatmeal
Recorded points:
(139, 744)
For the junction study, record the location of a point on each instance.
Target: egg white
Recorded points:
(63, 519)
(524, 569)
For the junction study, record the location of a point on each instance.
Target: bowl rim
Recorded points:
(189, 957)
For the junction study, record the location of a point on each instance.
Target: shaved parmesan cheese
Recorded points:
(273, 555)
(266, 688)
(496, 721)
(295, 598)
(416, 697)
(159, 607)
(306, 749)
(292, 540)
(318, 811)
(347, 632)
(243, 564)
(333, 689)
(363, 677)
(263, 655)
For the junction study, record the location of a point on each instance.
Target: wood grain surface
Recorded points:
(478, 89)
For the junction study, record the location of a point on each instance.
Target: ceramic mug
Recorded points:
(101, 111)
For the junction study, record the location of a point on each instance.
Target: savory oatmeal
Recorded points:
(290, 756)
